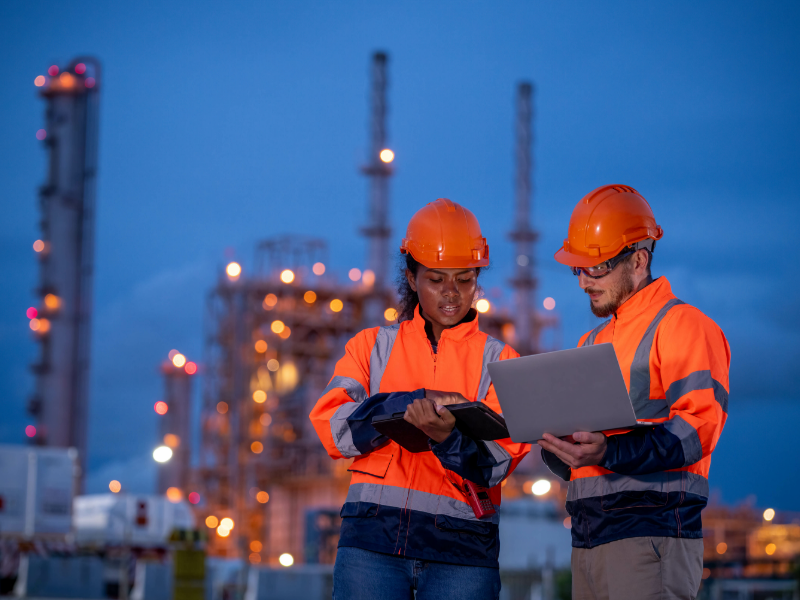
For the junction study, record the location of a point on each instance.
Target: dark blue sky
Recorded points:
(222, 126)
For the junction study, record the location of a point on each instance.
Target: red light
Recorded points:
(41, 134)
(161, 407)
(89, 83)
(52, 71)
(30, 431)
(80, 68)
(194, 497)
(190, 368)
(31, 313)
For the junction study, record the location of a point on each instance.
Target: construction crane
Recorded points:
(66, 253)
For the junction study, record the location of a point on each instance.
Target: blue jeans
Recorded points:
(365, 575)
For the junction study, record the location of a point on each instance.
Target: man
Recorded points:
(635, 498)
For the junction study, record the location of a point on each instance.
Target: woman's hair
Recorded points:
(408, 297)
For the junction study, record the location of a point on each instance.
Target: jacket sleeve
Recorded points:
(693, 358)
(556, 465)
(484, 462)
(342, 417)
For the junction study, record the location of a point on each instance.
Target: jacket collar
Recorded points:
(657, 292)
(461, 332)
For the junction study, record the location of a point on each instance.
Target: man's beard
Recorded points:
(616, 295)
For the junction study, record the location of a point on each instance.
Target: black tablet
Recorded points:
(473, 419)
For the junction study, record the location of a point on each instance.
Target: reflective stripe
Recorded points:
(589, 341)
(398, 497)
(615, 483)
(502, 458)
(379, 358)
(491, 353)
(643, 406)
(353, 388)
(340, 430)
(699, 380)
(690, 440)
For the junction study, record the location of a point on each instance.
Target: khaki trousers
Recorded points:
(640, 568)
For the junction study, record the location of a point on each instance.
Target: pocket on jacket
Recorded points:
(458, 517)
(375, 463)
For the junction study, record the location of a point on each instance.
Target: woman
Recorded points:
(407, 525)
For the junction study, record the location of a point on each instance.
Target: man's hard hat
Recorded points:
(446, 235)
(605, 221)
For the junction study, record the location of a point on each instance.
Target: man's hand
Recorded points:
(445, 398)
(589, 449)
(434, 421)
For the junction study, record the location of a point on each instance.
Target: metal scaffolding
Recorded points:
(66, 253)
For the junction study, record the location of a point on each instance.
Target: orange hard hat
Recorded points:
(605, 221)
(447, 235)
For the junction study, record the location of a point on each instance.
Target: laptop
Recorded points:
(562, 392)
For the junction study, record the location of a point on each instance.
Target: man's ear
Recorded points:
(642, 259)
(412, 280)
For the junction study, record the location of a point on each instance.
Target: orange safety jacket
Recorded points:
(654, 481)
(407, 503)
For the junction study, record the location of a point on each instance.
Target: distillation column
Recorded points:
(67, 203)
(524, 280)
(379, 170)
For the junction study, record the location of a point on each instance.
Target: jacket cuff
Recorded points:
(556, 465)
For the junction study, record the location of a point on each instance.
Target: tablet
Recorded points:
(473, 419)
(581, 389)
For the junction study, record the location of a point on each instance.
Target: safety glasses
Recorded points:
(604, 268)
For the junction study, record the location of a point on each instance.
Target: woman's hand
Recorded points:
(434, 421)
(445, 398)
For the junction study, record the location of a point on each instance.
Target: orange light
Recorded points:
(212, 522)
(277, 326)
(549, 303)
(262, 497)
(770, 549)
(226, 523)
(270, 300)
(706, 572)
(285, 333)
(769, 514)
(256, 546)
(287, 276)
(368, 278)
(260, 396)
(174, 495)
(273, 365)
(190, 368)
(255, 558)
(257, 447)
(66, 79)
(222, 532)
(261, 346)
(38, 246)
(172, 440)
(179, 360)
(318, 268)
(310, 297)
(265, 420)
(482, 305)
(390, 314)
(52, 301)
(336, 305)
(39, 81)
(34, 324)
(44, 326)
(568, 523)
(222, 407)
(115, 486)
(161, 407)
(387, 155)
(233, 270)
(354, 274)
(722, 548)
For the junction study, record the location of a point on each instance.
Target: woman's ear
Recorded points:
(412, 280)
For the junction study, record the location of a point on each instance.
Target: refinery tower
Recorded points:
(61, 318)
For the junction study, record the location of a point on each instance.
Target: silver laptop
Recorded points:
(562, 392)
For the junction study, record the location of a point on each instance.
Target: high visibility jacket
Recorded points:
(654, 482)
(408, 503)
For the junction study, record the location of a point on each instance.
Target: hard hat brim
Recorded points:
(576, 260)
(456, 262)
